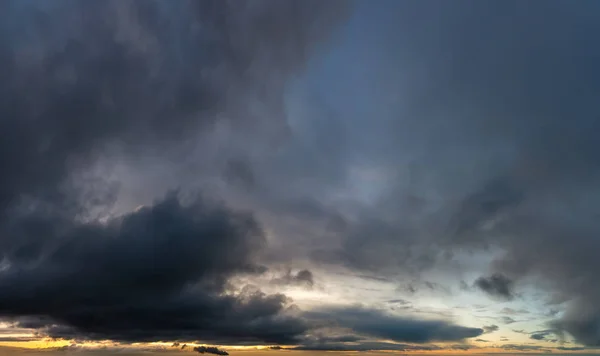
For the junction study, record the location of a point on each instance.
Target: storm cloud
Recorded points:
(159, 273)
(85, 82)
(436, 142)
(138, 76)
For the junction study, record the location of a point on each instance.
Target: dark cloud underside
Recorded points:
(157, 274)
(80, 78)
(380, 325)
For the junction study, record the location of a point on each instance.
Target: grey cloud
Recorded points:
(482, 121)
(377, 346)
(302, 278)
(18, 338)
(210, 350)
(508, 320)
(159, 273)
(519, 96)
(575, 348)
(373, 278)
(496, 285)
(462, 347)
(82, 81)
(538, 336)
(378, 324)
(145, 76)
(490, 329)
(366, 346)
(498, 114)
(517, 347)
(398, 301)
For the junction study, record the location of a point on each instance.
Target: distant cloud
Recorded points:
(507, 320)
(398, 301)
(518, 347)
(210, 350)
(496, 285)
(381, 325)
(541, 335)
(490, 329)
(511, 311)
(573, 348)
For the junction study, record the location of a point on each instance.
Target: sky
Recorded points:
(266, 177)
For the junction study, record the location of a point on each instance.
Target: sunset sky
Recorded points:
(268, 177)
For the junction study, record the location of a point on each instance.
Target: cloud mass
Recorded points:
(419, 171)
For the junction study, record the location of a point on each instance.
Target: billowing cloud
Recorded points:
(88, 82)
(159, 273)
(141, 77)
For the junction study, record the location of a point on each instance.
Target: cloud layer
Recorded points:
(441, 136)
(157, 274)
(142, 78)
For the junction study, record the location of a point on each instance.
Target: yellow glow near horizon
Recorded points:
(45, 344)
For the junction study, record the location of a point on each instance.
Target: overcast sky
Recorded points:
(390, 175)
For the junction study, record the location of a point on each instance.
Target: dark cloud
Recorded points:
(301, 278)
(381, 325)
(210, 350)
(496, 285)
(490, 329)
(159, 273)
(575, 348)
(538, 336)
(78, 77)
(373, 278)
(481, 138)
(366, 346)
(511, 109)
(463, 347)
(142, 79)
